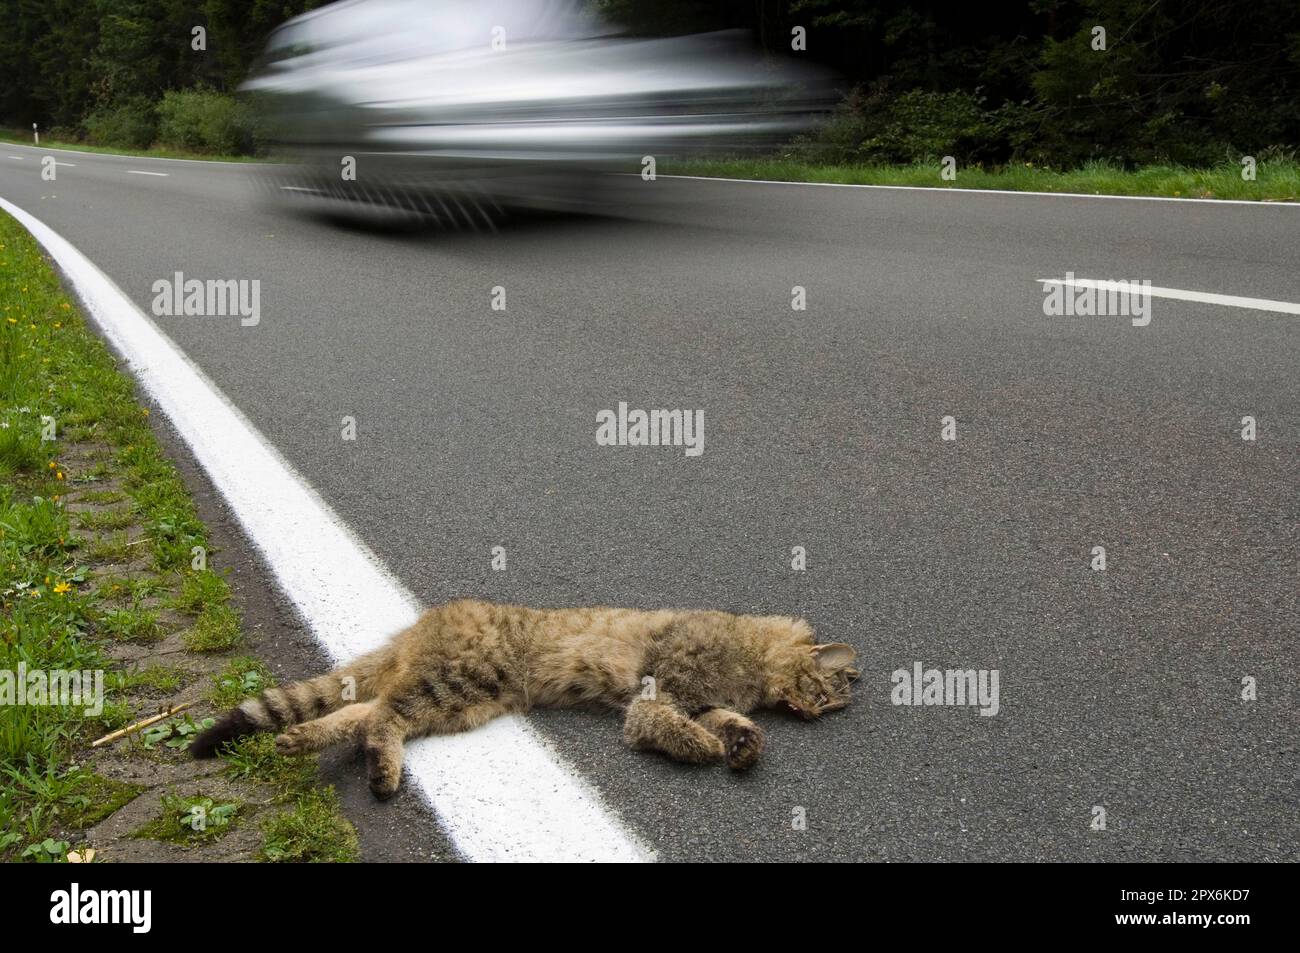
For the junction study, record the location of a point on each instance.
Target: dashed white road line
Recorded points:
(141, 172)
(19, 158)
(1204, 297)
(500, 792)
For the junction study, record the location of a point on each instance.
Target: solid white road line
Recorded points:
(1205, 297)
(500, 792)
(944, 188)
(138, 172)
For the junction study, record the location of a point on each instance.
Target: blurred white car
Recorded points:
(455, 108)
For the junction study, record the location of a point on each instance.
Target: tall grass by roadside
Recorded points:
(57, 141)
(1275, 181)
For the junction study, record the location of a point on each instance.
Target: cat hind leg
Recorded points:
(383, 742)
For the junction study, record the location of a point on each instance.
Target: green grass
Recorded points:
(156, 152)
(131, 588)
(114, 548)
(131, 625)
(200, 590)
(101, 497)
(94, 473)
(104, 520)
(96, 798)
(1277, 181)
(243, 677)
(254, 758)
(35, 798)
(116, 714)
(311, 832)
(215, 630)
(43, 624)
(52, 365)
(155, 680)
(191, 820)
(56, 613)
(20, 447)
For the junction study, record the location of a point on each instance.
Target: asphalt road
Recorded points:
(476, 428)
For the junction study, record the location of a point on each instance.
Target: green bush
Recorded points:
(923, 125)
(65, 133)
(838, 139)
(131, 124)
(205, 121)
(878, 126)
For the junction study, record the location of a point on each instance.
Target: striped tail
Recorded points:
(277, 708)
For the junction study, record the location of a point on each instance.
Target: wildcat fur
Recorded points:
(684, 678)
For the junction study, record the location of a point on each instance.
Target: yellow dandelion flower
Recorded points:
(62, 587)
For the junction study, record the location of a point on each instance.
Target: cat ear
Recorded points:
(834, 655)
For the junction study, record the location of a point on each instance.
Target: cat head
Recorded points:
(814, 679)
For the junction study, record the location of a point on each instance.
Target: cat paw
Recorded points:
(744, 742)
(384, 787)
(384, 775)
(711, 749)
(293, 741)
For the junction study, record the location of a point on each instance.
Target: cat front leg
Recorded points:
(744, 741)
(658, 724)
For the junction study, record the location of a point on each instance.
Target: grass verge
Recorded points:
(1274, 182)
(104, 573)
(153, 152)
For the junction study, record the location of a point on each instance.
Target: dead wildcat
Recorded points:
(685, 679)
